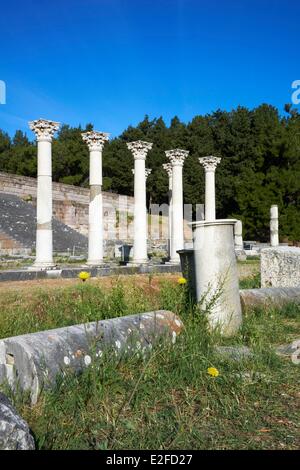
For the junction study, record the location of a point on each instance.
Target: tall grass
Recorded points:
(168, 400)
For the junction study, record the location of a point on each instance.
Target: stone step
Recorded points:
(18, 223)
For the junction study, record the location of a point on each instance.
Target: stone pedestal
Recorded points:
(274, 239)
(177, 157)
(280, 267)
(217, 286)
(210, 164)
(139, 150)
(238, 241)
(95, 141)
(187, 264)
(44, 131)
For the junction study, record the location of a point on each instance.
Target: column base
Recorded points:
(94, 264)
(138, 262)
(42, 266)
(173, 262)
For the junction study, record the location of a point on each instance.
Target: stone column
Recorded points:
(177, 157)
(168, 168)
(44, 131)
(139, 150)
(148, 172)
(217, 285)
(274, 226)
(238, 241)
(210, 164)
(95, 141)
(32, 362)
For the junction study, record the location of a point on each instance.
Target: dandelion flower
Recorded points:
(84, 275)
(213, 372)
(182, 280)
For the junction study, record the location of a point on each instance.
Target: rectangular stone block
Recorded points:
(280, 267)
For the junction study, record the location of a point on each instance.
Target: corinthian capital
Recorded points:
(210, 163)
(168, 168)
(94, 139)
(44, 129)
(176, 156)
(139, 149)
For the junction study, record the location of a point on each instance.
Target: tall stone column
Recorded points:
(168, 168)
(148, 172)
(238, 241)
(139, 150)
(177, 157)
(44, 131)
(95, 141)
(274, 226)
(210, 164)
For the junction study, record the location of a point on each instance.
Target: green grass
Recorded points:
(166, 401)
(252, 282)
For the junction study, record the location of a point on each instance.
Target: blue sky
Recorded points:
(110, 62)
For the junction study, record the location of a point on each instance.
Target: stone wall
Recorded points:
(280, 267)
(9, 246)
(71, 203)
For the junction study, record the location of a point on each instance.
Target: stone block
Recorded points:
(269, 297)
(280, 267)
(14, 431)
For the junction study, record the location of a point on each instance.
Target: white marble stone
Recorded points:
(238, 241)
(139, 150)
(210, 164)
(274, 239)
(280, 266)
(95, 141)
(176, 158)
(44, 131)
(217, 286)
(168, 168)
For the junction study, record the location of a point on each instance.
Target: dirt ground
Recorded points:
(245, 270)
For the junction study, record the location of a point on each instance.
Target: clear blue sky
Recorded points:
(110, 62)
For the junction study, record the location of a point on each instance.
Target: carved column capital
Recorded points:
(148, 172)
(95, 140)
(44, 129)
(176, 156)
(210, 163)
(139, 149)
(168, 168)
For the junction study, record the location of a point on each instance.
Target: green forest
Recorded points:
(260, 151)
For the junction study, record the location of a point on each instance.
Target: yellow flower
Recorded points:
(213, 371)
(182, 280)
(84, 275)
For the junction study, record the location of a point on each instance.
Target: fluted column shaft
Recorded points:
(210, 164)
(44, 131)
(140, 150)
(168, 168)
(95, 141)
(177, 158)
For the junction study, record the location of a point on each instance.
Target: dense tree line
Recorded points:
(260, 164)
